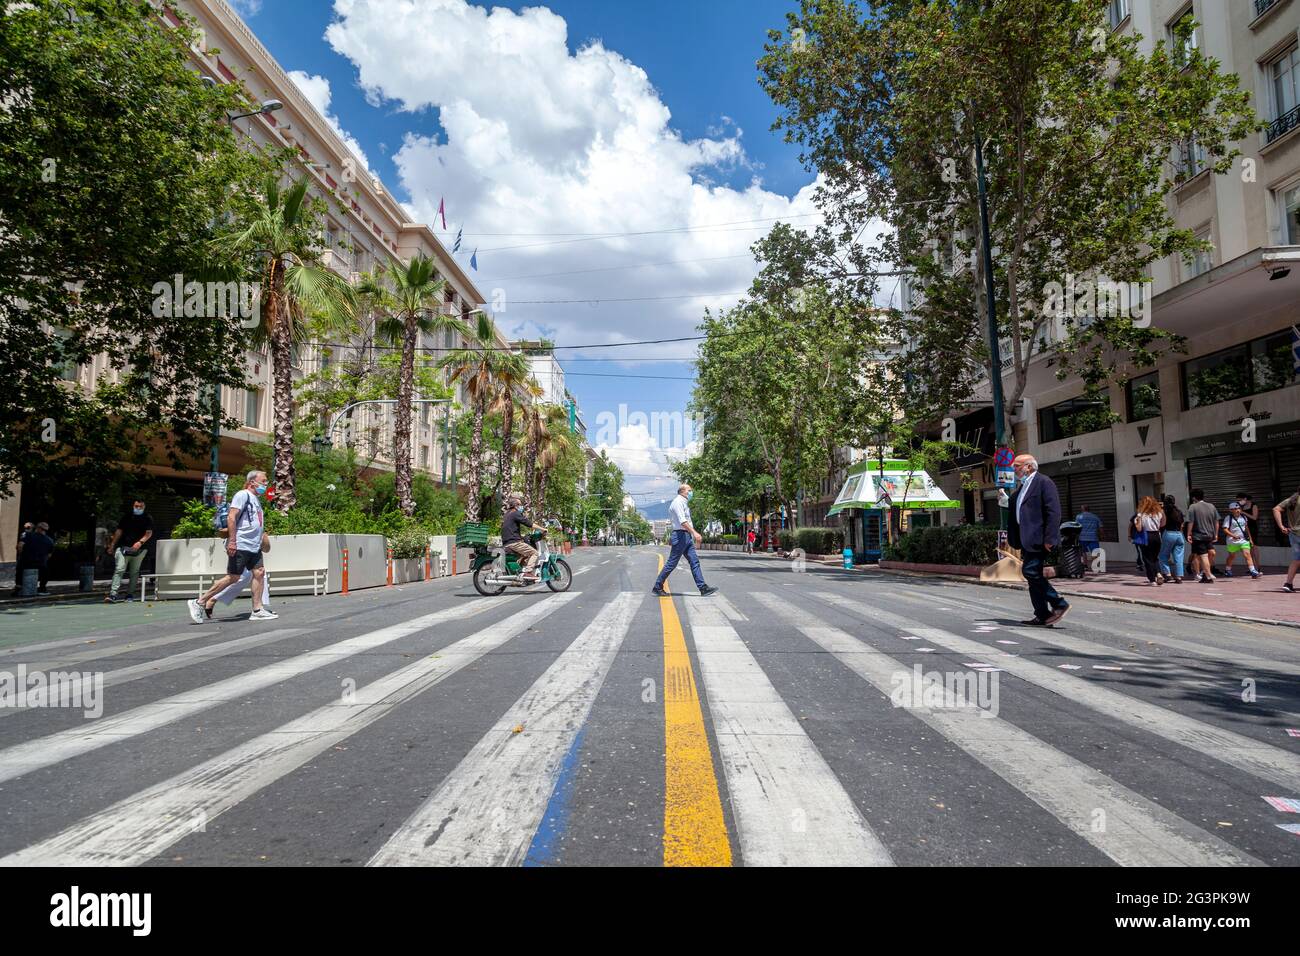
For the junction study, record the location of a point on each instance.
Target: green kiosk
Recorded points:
(869, 487)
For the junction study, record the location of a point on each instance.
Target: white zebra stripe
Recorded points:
(1137, 831)
(790, 808)
(140, 827)
(57, 747)
(487, 810)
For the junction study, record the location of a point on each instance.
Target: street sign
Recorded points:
(1004, 474)
(214, 488)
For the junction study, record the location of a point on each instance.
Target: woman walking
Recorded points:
(1147, 525)
(1172, 542)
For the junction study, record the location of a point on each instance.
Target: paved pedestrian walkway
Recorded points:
(1242, 596)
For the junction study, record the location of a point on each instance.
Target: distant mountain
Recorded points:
(658, 509)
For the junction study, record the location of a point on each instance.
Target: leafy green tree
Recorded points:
(1080, 133)
(116, 165)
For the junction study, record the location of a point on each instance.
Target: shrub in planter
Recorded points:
(785, 540)
(961, 545)
(409, 542)
(731, 539)
(819, 540)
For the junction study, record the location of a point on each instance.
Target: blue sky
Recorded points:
(534, 143)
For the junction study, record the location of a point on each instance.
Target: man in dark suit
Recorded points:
(1034, 526)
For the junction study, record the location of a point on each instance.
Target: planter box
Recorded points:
(407, 570)
(968, 570)
(184, 562)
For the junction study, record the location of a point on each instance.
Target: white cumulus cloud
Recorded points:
(317, 91)
(544, 146)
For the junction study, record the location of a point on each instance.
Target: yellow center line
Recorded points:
(695, 833)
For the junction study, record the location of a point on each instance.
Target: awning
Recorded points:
(908, 488)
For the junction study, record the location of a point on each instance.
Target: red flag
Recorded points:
(442, 212)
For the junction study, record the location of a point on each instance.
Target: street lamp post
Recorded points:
(995, 350)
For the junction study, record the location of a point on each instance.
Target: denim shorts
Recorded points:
(1295, 545)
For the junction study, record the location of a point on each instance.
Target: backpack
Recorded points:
(222, 517)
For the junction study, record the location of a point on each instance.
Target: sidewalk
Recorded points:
(1255, 599)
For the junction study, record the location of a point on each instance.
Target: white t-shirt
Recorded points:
(679, 513)
(248, 523)
(1236, 527)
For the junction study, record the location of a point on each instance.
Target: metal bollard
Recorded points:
(29, 581)
(390, 567)
(345, 571)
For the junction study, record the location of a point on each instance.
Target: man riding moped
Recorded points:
(513, 541)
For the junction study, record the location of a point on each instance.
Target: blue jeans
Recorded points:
(1041, 593)
(683, 544)
(1172, 543)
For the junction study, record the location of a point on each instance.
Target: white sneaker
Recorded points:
(262, 614)
(196, 611)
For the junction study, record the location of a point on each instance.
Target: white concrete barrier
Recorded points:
(182, 562)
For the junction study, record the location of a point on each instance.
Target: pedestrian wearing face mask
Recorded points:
(1034, 526)
(245, 526)
(683, 539)
(133, 531)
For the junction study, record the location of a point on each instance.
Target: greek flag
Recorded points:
(456, 246)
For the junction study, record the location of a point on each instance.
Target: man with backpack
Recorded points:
(244, 523)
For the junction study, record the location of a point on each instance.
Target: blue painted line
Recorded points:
(542, 851)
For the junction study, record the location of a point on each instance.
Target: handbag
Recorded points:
(130, 552)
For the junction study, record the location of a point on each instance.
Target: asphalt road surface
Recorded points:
(823, 718)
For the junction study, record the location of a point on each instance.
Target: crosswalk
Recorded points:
(518, 773)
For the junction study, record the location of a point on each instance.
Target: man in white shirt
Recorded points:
(683, 539)
(244, 546)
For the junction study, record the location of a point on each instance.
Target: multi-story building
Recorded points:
(1223, 415)
(365, 227)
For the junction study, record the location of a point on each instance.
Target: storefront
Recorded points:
(914, 497)
(1268, 469)
(1087, 480)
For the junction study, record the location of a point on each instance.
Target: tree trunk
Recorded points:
(402, 429)
(474, 467)
(530, 475)
(278, 321)
(507, 446)
(541, 494)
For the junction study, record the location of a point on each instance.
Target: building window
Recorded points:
(1184, 46)
(1202, 260)
(252, 407)
(1261, 365)
(1143, 395)
(1191, 160)
(1117, 13)
(1291, 216)
(1075, 416)
(1285, 72)
(1272, 363)
(424, 456)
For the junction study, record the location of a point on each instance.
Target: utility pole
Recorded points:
(995, 350)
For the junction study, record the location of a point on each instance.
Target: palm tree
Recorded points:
(539, 421)
(513, 374)
(477, 367)
(553, 442)
(412, 300)
(282, 234)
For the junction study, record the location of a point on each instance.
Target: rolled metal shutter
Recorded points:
(1222, 476)
(1095, 489)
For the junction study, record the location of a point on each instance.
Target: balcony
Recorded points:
(1262, 6)
(1283, 124)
